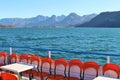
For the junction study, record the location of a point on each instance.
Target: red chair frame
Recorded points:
(113, 67)
(4, 55)
(75, 62)
(90, 64)
(15, 56)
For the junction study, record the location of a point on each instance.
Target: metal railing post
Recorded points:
(108, 59)
(10, 50)
(49, 54)
(9, 61)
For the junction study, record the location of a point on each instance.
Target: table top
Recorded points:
(17, 67)
(104, 78)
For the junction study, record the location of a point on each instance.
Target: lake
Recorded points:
(75, 39)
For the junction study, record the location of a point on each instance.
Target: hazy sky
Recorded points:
(31, 8)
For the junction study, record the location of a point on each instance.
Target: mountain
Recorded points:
(105, 19)
(87, 18)
(22, 22)
(51, 21)
(45, 21)
(71, 19)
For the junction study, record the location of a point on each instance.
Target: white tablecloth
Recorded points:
(17, 67)
(104, 78)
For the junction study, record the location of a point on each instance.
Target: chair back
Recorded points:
(8, 76)
(60, 66)
(36, 61)
(111, 70)
(90, 70)
(14, 57)
(75, 68)
(30, 57)
(3, 58)
(46, 65)
(24, 58)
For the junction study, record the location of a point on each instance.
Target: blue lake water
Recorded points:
(76, 39)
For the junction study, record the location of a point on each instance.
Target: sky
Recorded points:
(32, 8)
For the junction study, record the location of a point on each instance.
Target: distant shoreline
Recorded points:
(58, 27)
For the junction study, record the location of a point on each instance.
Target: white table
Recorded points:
(17, 68)
(104, 78)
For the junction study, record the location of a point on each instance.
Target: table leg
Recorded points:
(20, 76)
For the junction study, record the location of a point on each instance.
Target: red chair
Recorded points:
(75, 70)
(35, 60)
(14, 58)
(44, 69)
(59, 70)
(3, 58)
(30, 57)
(24, 58)
(111, 70)
(27, 59)
(90, 70)
(8, 76)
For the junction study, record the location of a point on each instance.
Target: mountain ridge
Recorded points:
(41, 21)
(104, 19)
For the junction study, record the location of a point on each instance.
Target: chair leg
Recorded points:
(30, 77)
